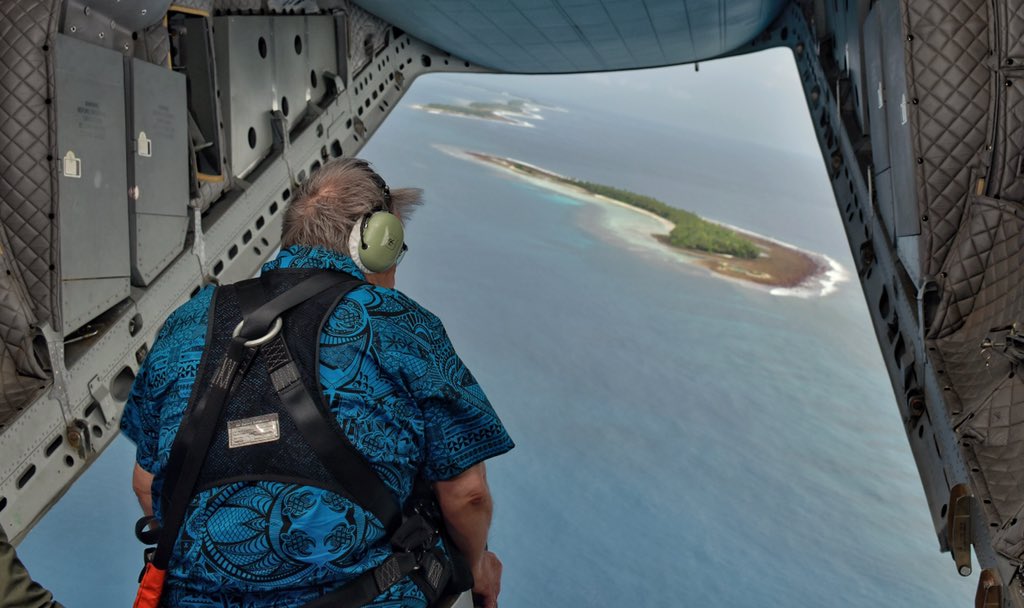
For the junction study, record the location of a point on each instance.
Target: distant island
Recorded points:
(513, 112)
(724, 250)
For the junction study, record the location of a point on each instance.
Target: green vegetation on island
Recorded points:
(690, 231)
(480, 109)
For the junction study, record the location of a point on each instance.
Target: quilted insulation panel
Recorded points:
(950, 80)
(983, 298)
(26, 181)
(1006, 180)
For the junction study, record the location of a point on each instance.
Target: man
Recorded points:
(388, 376)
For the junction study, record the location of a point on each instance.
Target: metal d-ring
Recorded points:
(274, 330)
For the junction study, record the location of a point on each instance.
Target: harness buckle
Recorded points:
(274, 330)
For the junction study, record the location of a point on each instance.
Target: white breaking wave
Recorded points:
(821, 284)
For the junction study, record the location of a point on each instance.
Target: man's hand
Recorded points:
(487, 580)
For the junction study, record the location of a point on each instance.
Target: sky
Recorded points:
(756, 97)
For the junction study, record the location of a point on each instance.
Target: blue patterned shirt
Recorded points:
(401, 395)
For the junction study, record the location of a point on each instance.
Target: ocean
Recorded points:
(682, 439)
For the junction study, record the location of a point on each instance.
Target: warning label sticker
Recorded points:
(251, 431)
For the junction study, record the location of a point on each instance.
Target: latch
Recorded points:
(80, 437)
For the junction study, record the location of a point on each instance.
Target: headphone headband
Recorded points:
(377, 179)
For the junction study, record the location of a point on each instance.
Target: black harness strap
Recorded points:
(191, 446)
(342, 460)
(368, 585)
(257, 322)
(250, 295)
(196, 432)
(413, 539)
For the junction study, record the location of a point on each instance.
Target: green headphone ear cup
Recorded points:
(382, 242)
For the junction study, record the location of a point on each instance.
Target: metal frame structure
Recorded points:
(54, 439)
(897, 306)
(910, 171)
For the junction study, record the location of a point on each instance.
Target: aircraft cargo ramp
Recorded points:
(148, 149)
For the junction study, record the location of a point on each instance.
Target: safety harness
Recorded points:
(257, 412)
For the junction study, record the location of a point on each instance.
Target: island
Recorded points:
(724, 250)
(513, 112)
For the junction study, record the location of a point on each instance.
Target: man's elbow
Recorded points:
(468, 489)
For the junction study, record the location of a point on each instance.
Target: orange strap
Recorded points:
(150, 588)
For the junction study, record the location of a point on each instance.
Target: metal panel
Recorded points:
(244, 47)
(908, 248)
(290, 71)
(856, 13)
(323, 53)
(160, 239)
(883, 197)
(897, 109)
(875, 93)
(158, 153)
(195, 55)
(92, 180)
(133, 16)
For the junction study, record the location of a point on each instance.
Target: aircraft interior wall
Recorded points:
(916, 103)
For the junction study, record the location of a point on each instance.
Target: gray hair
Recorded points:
(328, 205)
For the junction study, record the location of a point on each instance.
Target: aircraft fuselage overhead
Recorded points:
(149, 148)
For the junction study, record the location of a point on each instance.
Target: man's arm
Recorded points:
(142, 484)
(17, 589)
(466, 505)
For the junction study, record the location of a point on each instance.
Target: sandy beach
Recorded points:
(781, 269)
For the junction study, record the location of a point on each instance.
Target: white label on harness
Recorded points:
(251, 431)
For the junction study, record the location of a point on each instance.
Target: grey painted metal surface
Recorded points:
(133, 16)
(110, 23)
(244, 51)
(92, 180)
(158, 168)
(277, 64)
(290, 66)
(580, 35)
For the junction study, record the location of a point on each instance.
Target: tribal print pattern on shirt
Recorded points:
(399, 392)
